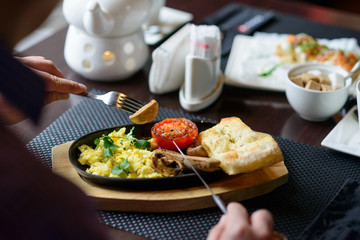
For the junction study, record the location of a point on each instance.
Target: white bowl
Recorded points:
(316, 105)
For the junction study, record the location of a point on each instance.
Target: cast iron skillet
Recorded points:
(187, 179)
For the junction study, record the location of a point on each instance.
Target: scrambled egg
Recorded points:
(118, 155)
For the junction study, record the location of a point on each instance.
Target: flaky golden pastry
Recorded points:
(239, 148)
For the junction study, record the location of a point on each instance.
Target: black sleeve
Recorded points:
(37, 204)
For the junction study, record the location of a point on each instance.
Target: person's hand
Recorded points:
(57, 87)
(237, 224)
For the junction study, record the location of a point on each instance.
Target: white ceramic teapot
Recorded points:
(105, 41)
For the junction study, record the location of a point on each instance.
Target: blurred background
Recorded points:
(56, 21)
(350, 6)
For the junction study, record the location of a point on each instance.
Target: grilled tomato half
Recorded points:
(180, 130)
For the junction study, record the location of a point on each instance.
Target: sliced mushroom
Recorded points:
(165, 165)
(170, 163)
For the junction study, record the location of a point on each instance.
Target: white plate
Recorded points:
(345, 136)
(250, 56)
(169, 21)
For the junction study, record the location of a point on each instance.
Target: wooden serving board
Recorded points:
(230, 188)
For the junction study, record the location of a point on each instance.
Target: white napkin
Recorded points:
(168, 68)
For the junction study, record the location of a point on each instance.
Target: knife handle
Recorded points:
(220, 203)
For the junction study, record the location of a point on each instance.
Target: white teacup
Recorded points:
(316, 105)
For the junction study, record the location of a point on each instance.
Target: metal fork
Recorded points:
(116, 99)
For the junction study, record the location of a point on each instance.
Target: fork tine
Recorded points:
(116, 99)
(128, 104)
(135, 102)
(125, 107)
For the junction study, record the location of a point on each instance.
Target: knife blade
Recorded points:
(216, 198)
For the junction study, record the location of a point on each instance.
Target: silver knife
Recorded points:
(216, 198)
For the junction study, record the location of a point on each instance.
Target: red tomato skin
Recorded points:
(180, 130)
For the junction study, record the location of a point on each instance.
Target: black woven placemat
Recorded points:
(316, 175)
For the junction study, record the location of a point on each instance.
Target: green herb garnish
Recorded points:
(141, 144)
(117, 170)
(138, 143)
(125, 165)
(268, 73)
(96, 142)
(109, 146)
(121, 170)
(130, 135)
(308, 45)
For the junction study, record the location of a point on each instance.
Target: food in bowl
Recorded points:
(318, 81)
(316, 105)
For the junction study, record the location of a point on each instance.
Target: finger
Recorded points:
(237, 223)
(55, 96)
(42, 64)
(216, 232)
(262, 223)
(29, 57)
(57, 84)
(237, 212)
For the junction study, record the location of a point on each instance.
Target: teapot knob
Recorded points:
(96, 21)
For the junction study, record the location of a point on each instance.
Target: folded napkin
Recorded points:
(340, 219)
(167, 71)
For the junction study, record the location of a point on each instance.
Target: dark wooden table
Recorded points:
(261, 110)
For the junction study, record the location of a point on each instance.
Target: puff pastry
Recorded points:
(239, 148)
